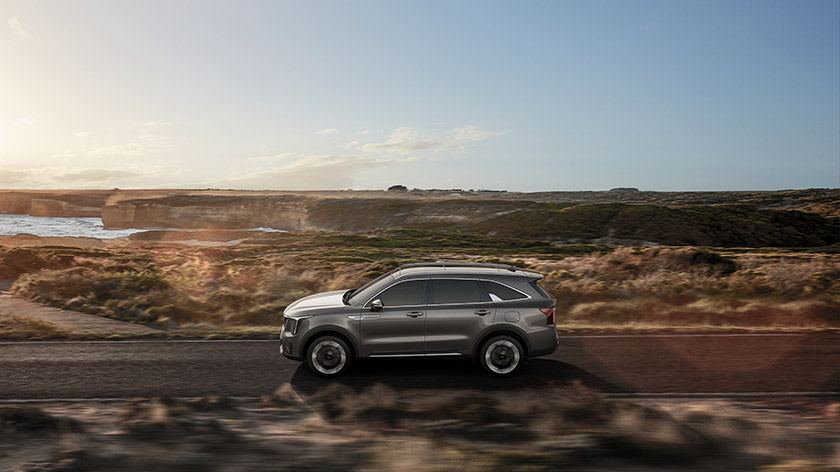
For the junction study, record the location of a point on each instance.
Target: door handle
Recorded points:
(482, 312)
(414, 314)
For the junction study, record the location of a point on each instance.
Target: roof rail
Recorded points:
(444, 265)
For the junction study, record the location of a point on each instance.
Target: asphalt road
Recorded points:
(649, 365)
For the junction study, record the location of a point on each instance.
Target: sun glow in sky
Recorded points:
(560, 95)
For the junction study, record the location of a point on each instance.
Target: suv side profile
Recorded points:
(497, 315)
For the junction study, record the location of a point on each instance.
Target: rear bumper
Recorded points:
(544, 344)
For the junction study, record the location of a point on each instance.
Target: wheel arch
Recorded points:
(503, 331)
(331, 331)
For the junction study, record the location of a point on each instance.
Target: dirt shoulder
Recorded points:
(71, 322)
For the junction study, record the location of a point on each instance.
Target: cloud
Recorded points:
(149, 124)
(82, 134)
(142, 145)
(295, 171)
(17, 29)
(66, 154)
(13, 178)
(95, 175)
(364, 132)
(25, 121)
(306, 172)
(274, 158)
(327, 131)
(60, 177)
(470, 133)
(406, 140)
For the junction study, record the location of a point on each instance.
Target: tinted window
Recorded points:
(456, 291)
(373, 286)
(402, 294)
(503, 292)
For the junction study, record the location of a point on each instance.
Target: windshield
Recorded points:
(357, 294)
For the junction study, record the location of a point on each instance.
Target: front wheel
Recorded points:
(328, 356)
(500, 356)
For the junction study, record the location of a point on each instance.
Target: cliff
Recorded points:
(47, 207)
(85, 203)
(196, 211)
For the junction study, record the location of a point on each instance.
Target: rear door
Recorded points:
(398, 329)
(457, 311)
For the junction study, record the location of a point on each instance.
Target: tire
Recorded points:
(328, 356)
(501, 356)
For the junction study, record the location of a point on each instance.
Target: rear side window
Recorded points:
(457, 291)
(502, 292)
(404, 294)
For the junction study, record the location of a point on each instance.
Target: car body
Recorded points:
(495, 314)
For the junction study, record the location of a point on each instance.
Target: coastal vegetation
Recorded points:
(613, 260)
(156, 280)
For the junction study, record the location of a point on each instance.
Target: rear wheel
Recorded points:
(500, 356)
(328, 356)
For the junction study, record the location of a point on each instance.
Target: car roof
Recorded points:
(463, 268)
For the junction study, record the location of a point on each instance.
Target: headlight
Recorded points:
(291, 325)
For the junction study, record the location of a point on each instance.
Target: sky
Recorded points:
(519, 96)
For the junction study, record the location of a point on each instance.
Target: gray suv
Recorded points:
(495, 314)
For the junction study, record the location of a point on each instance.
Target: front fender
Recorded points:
(320, 330)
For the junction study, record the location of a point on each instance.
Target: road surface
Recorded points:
(649, 365)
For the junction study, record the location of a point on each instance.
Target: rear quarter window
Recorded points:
(503, 292)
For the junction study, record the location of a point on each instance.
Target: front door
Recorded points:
(398, 328)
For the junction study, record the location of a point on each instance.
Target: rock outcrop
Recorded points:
(193, 211)
(298, 213)
(58, 203)
(47, 207)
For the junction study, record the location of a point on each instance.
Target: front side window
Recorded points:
(456, 291)
(403, 294)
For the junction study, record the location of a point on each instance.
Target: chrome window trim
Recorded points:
(433, 354)
(527, 297)
(430, 279)
(398, 355)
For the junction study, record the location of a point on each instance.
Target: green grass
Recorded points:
(722, 225)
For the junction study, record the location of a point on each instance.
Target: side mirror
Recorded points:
(376, 305)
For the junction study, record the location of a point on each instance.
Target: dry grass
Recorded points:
(250, 285)
(696, 288)
(705, 312)
(23, 327)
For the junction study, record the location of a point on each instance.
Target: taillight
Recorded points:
(549, 314)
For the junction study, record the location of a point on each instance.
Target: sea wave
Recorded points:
(50, 226)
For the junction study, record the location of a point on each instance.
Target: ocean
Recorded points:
(49, 226)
